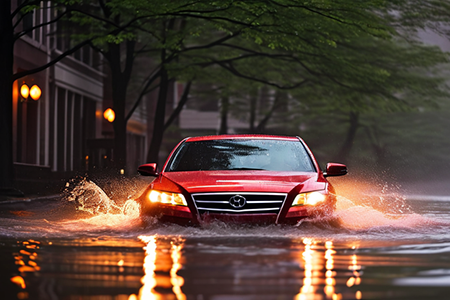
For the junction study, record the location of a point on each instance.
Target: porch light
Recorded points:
(24, 91)
(35, 92)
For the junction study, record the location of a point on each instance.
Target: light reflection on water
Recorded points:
(25, 260)
(315, 269)
(71, 270)
(320, 273)
(152, 264)
(181, 268)
(326, 272)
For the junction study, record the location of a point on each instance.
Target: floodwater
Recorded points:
(91, 244)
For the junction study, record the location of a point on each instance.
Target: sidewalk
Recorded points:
(8, 196)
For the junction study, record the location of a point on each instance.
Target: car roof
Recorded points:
(241, 136)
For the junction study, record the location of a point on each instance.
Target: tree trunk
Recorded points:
(160, 113)
(179, 108)
(378, 147)
(120, 80)
(224, 107)
(252, 119)
(6, 106)
(350, 139)
(120, 126)
(277, 102)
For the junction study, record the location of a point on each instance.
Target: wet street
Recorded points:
(377, 245)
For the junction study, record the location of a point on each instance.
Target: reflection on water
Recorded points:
(26, 262)
(320, 273)
(164, 262)
(171, 267)
(307, 289)
(330, 274)
(322, 277)
(71, 269)
(176, 280)
(149, 279)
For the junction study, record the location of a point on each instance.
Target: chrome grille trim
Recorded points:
(252, 202)
(217, 203)
(240, 211)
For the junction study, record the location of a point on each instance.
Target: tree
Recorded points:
(357, 54)
(401, 74)
(184, 35)
(315, 47)
(6, 70)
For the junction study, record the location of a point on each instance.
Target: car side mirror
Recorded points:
(335, 169)
(148, 169)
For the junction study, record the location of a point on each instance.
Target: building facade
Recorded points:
(63, 133)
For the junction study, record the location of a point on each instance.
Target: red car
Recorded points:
(239, 178)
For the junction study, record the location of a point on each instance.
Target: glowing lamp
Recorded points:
(24, 91)
(35, 92)
(109, 115)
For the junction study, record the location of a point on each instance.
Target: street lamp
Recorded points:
(109, 115)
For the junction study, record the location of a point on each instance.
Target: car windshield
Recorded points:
(241, 154)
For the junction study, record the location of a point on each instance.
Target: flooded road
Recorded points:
(91, 244)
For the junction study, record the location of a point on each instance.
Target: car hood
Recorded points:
(241, 181)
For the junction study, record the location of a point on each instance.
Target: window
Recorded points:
(32, 22)
(73, 123)
(64, 42)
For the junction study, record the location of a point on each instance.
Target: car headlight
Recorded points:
(312, 198)
(167, 198)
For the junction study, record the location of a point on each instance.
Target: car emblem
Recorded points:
(237, 201)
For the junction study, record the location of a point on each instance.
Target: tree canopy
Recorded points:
(354, 55)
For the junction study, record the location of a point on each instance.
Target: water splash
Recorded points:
(89, 197)
(365, 205)
(373, 206)
(362, 217)
(362, 208)
(100, 213)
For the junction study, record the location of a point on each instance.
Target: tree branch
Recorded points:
(141, 95)
(23, 5)
(210, 18)
(235, 72)
(51, 63)
(180, 105)
(24, 32)
(215, 43)
(63, 55)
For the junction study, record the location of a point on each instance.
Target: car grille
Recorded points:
(234, 203)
